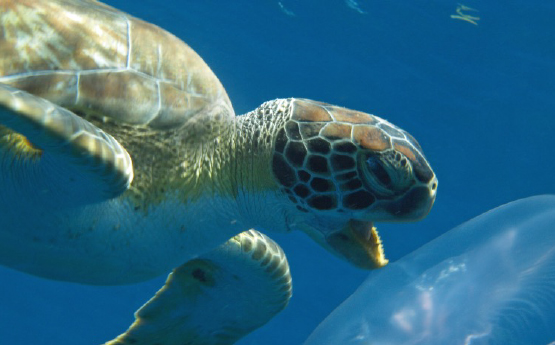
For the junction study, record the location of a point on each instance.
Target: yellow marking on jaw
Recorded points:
(372, 245)
(360, 244)
(376, 248)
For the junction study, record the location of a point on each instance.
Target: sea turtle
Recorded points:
(121, 158)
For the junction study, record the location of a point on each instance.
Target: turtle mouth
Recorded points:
(359, 243)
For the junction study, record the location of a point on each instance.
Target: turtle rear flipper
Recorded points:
(218, 298)
(50, 154)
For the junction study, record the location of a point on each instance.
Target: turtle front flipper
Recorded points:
(49, 153)
(218, 298)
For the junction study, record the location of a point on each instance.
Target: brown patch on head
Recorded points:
(309, 112)
(292, 130)
(310, 130)
(347, 115)
(371, 138)
(406, 150)
(337, 131)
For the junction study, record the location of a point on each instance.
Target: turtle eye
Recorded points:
(386, 174)
(376, 168)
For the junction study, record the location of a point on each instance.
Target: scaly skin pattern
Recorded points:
(200, 174)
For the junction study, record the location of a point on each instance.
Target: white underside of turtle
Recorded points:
(121, 159)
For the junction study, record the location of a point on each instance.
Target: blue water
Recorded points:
(479, 98)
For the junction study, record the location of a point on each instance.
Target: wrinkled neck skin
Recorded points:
(241, 170)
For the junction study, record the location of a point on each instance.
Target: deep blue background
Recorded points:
(480, 100)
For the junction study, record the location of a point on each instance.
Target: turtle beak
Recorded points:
(358, 242)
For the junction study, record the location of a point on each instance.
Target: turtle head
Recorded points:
(344, 170)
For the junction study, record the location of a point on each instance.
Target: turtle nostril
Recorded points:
(433, 187)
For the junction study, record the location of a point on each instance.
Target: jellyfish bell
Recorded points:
(489, 281)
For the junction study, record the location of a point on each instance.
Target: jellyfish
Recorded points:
(490, 280)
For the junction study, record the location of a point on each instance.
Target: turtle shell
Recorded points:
(94, 59)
